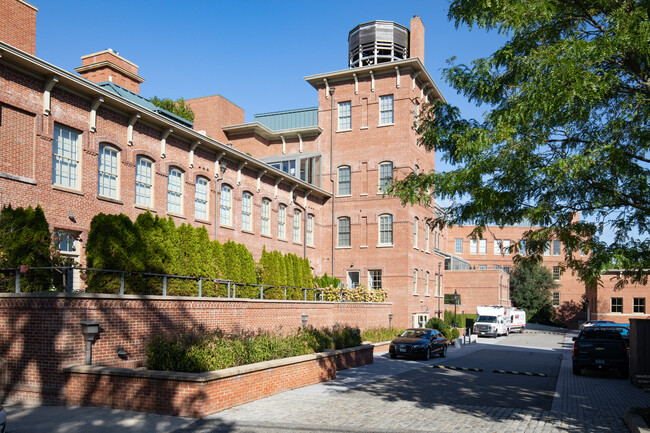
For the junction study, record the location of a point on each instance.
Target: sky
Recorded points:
(254, 53)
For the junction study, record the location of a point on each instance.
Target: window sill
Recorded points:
(387, 124)
(349, 247)
(363, 246)
(250, 232)
(385, 245)
(363, 194)
(70, 190)
(416, 294)
(282, 240)
(110, 199)
(297, 243)
(343, 195)
(226, 227)
(363, 127)
(427, 295)
(266, 236)
(143, 207)
(344, 130)
(176, 215)
(202, 221)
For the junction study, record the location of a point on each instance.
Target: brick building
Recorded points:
(295, 181)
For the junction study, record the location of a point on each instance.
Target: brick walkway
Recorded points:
(590, 403)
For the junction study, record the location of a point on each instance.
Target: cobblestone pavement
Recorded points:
(589, 403)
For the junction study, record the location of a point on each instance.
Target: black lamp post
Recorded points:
(455, 304)
(439, 288)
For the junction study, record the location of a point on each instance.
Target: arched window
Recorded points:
(108, 171)
(225, 206)
(415, 281)
(415, 232)
(385, 176)
(345, 181)
(201, 198)
(175, 191)
(344, 232)
(266, 217)
(246, 211)
(143, 181)
(385, 229)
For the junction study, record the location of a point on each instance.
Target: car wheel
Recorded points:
(427, 354)
(443, 353)
(393, 355)
(577, 370)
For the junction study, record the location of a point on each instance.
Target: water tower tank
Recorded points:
(377, 42)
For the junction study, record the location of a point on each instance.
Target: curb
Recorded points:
(634, 422)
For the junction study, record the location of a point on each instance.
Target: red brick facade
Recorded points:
(609, 302)
(18, 25)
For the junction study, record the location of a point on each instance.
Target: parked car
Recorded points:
(600, 347)
(623, 328)
(419, 343)
(589, 323)
(3, 419)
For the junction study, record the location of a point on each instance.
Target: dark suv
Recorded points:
(419, 343)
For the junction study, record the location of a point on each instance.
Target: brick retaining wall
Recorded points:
(40, 333)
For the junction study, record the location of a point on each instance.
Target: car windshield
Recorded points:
(413, 333)
(487, 319)
(601, 334)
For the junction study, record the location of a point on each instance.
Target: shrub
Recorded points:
(455, 333)
(376, 335)
(441, 326)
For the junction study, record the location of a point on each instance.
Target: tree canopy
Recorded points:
(531, 287)
(565, 131)
(176, 107)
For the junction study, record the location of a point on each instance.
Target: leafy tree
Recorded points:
(176, 107)
(531, 289)
(566, 130)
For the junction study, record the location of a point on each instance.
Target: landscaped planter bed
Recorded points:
(200, 394)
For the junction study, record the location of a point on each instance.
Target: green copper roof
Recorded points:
(289, 119)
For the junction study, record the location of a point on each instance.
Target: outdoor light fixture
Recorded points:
(390, 320)
(455, 304)
(304, 318)
(90, 331)
(71, 216)
(121, 352)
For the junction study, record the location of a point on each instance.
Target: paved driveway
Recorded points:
(403, 396)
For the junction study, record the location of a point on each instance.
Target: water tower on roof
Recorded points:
(377, 42)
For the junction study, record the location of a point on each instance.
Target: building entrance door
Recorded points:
(353, 278)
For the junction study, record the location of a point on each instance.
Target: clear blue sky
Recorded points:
(254, 53)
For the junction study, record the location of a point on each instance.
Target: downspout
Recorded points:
(331, 92)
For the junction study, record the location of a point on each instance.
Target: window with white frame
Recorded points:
(522, 248)
(310, 230)
(426, 283)
(416, 113)
(505, 247)
(201, 198)
(386, 229)
(415, 232)
(556, 298)
(482, 267)
(556, 273)
(282, 222)
(473, 246)
(66, 241)
(175, 191)
(415, 281)
(638, 305)
(225, 206)
(497, 247)
(459, 246)
(247, 211)
(143, 181)
(374, 279)
(506, 269)
(497, 267)
(65, 157)
(426, 237)
(296, 225)
(344, 239)
(547, 249)
(386, 110)
(345, 116)
(345, 182)
(556, 248)
(482, 246)
(108, 171)
(385, 176)
(266, 217)
(617, 305)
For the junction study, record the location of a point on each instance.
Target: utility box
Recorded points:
(640, 353)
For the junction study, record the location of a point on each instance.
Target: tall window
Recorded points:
(556, 299)
(415, 232)
(225, 206)
(345, 184)
(556, 273)
(174, 190)
(385, 176)
(344, 232)
(506, 247)
(282, 222)
(639, 305)
(473, 246)
(107, 171)
(374, 279)
(482, 246)
(522, 248)
(246, 211)
(415, 281)
(310, 230)
(143, 181)
(386, 230)
(497, 247)
(617, 305)
(201, 198)
(556, 248)
(426, 283)
(426, 237)
(459, 246)
(547, 249)
(345, 117)
(296, 225)
(386, 110)
(266, 217)
(65, 157)
(65, 241)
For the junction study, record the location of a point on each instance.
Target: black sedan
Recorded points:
(419, 343)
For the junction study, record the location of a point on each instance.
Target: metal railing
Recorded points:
(93, 280)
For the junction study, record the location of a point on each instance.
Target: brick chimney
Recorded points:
(18, 25)
(108, 65)
(416, 42)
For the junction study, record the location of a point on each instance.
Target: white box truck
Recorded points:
(517, 320)
(492, 321)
